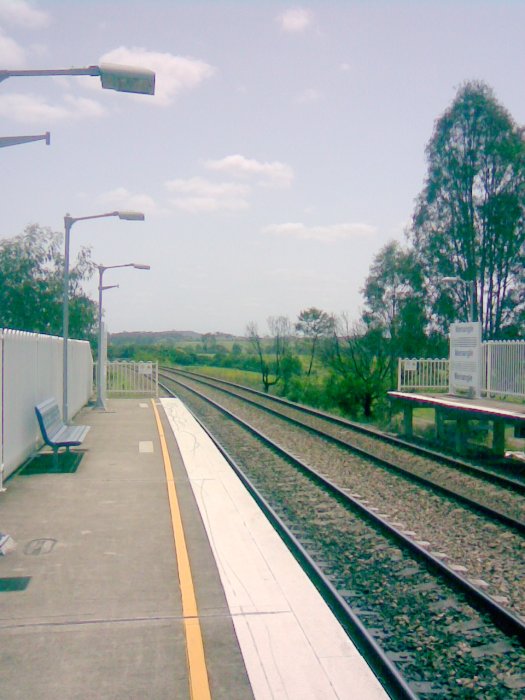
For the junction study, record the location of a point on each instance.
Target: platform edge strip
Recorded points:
(199, 684)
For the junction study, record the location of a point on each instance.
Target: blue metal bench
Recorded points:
(55, 433)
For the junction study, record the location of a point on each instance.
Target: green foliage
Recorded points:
(275, 363)
(395, 300)
(31, 286)
(314, 324)
(469, 220)
(360, 356)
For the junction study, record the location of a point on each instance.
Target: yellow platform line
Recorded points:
(198, 674)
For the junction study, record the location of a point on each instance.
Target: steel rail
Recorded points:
(506, 621)
(455, 463)
(495, 515)
(382, 666)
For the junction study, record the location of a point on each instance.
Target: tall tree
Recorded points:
(275, 355)
(395, 301)
(359, 355)
(314, 324)
(252, 333)
(31, 285)
(469, 220)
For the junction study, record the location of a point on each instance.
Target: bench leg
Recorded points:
(55, 457)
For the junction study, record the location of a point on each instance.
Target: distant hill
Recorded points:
(155, 337)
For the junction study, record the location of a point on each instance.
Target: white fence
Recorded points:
(124, 377)
(504, 364)
(30, 372)
(422, 374)
(503, 370)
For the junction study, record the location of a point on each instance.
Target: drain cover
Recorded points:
(14, 583)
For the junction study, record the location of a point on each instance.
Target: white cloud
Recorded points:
(81, 107)
(23, 14)
(274, 173)
(327, 234)
(30, 109)
(11, 54)
(310, 95)
(174, 74)
(121, 198)
(295, 20)
(196, 194)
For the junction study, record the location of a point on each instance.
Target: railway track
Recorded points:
(499, 498)
(432, 631)
(361, 436)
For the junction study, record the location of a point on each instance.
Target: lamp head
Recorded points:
(131, 215)
(127, 79)
(138, 266)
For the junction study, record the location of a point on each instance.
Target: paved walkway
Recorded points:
(101, 617)
(147, 575)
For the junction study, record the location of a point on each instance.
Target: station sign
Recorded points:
(465, 359)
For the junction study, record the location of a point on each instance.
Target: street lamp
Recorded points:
(100, 360)
(68, 223)
(16, 140)
(112, 76)
(471, 284)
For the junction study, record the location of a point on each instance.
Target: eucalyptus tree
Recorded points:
(314, 324)
(395, 300)
(358, 354)
(252, 333)
(276, 361)
(469, 220)
(31, 285)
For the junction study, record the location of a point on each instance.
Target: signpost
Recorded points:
(465, 359)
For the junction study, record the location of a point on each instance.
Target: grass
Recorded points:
(238, 376)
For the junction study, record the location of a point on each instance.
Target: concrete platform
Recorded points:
(105, 614)
(292, 644)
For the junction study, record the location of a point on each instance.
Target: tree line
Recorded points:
(462, 259)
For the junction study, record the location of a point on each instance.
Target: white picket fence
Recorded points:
(135, 378)
(30, 372)
(503, 370)
(425, 374)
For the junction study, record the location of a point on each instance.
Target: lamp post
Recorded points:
(112, 76)
(68, 223)
(471, 284)
(102, 360)
(16, 140)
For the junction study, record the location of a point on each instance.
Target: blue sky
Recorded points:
(283, 149)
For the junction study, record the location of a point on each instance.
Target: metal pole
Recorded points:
(17, 140)
(68, 223)
(100, 402)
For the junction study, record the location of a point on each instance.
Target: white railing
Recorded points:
(504, 365)
(31, 371)
(430, 374)
(503, 370)
(124, 377)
